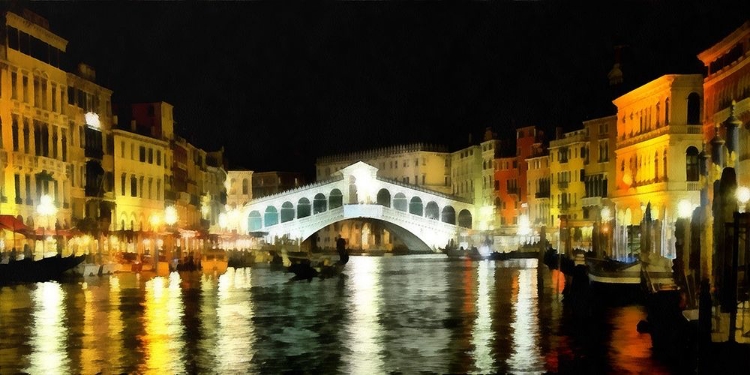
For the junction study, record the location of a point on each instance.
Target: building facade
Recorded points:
(659, 138)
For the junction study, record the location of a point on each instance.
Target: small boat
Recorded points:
(45, 269)
(214, 260)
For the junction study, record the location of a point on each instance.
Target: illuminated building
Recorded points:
(727, 79)
(567, 158)
(54, 127)
(659, 138)
(538, 188)
(599, 176)
(415, 164)
(91, 148)
(268, 183)
(141, 156)
(239, 187)
(510, 176)
(214, 200)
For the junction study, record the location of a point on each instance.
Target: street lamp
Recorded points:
(47, 209)
(605, 215)
(170, 218)
(743, 196)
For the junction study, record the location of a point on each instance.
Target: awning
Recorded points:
(11, 223)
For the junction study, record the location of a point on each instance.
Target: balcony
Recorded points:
(562, 184)
(94, 152)
(513, 190)
(542, 194)
(592, 202)
(564, 206)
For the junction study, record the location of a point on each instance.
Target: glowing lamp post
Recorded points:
(170, 217)
(47, 209)
(605, 216)
(743, 196)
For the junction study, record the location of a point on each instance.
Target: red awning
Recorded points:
(11, 223)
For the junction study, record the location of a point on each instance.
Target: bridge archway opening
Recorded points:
(399, 202)
(431, 211)
(287, 212)
(335, 199)
(464, 219)
(303, 208)
(320, 203)
(271, 216)
(254, 221)
(449, 215)
(416, 207)
(384, 198)
(367, 234)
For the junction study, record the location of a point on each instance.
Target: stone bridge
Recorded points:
(421, 218)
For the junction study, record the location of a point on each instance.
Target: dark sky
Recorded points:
(281, 84)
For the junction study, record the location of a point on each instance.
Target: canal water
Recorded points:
(402, 314)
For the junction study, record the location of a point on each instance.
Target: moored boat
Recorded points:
(45, 269)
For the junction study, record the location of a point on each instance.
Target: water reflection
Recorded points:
(481, 333)
(235, 334)
(163, 326)
(526, 356)
(48, 349)
(384, 315)
(364, 339)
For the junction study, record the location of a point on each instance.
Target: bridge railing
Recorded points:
(424, 190)
(298, 189)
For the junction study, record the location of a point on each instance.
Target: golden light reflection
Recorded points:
(235, 334)
(163, 336)
(629, 349)
(48, 334)
(116, 327)
(526, 356)
(364, 331)
(482, 333)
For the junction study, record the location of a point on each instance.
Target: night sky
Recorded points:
(280, 85)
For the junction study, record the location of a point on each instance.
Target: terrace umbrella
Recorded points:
(14, 225)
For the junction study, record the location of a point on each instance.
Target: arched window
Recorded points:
(692, 172)
(656, 166)
(666, 111)
(693, 109)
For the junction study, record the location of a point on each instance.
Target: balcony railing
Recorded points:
(542, 194)
(513, 190)
(562, 184)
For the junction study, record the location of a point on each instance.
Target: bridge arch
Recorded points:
(416, 207)
(303, 208)
(464, 219)
(399, 202)
(335, 199)
(449, 215)
(431, 211)
(384, 197)
(254, 221)
(271, 216)
(320, 203)
(287, 212)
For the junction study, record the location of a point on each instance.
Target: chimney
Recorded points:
(558, 133)
(132, 126)
(470, 139)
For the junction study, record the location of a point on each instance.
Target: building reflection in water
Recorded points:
(365, 341)
(525, 355)
(234, 348)
(482, 334)
(163, 338)
(49, 354)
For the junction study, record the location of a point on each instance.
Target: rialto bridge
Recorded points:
(421, 218)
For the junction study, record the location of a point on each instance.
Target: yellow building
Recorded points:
(141, 163)
(54, 126)
(416, 164)
(538, 188)
(568, 157)
(600, 179)
(659, 138)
